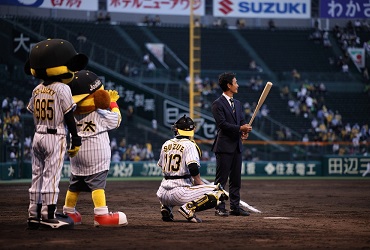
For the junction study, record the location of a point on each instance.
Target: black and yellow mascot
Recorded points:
(54, 62)
(97, 112)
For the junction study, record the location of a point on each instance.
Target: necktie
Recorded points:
(232, 104)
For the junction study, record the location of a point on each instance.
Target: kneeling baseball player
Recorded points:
(181, 184)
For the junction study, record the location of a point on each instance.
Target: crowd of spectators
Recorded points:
(132, 152)
(326, 124)
(12, 130)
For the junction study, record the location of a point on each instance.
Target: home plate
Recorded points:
(278, 218)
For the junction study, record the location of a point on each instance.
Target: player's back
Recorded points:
(176, 154)
(49, 104)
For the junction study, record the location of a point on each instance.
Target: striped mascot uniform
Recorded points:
(97, 112)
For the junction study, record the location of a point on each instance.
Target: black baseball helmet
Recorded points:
(54, 57)
(185, 126)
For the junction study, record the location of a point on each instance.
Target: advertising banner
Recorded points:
(345, 9)
(157, 50)
(358, 57)
(277, 9)
(345, 165)
(155, 7)
(338, 166)
(86, 5)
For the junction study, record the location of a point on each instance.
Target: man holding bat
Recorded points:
(227, 146)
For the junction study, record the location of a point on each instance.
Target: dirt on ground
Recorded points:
(296, 214)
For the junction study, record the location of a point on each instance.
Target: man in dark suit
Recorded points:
(231, 129)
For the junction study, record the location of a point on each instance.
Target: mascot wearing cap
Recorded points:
(97, 112)
(53, 61)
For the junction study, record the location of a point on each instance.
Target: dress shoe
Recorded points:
(222, 212)
(239, 212)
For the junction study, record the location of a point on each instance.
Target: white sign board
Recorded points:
(299, 9)
(157, 7)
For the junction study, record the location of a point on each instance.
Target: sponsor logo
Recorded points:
(225, 6)
(96, 84)
(273, 8)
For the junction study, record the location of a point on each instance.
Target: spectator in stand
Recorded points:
(146, 59)
(100, 17)
(81, 39)
(365, 76)
(107, 17)
(345, 68)
(326, 40)
(151, 66)
(335, 147)
(285, 92)
(113, 144)
(247, 111)
(271, 25)
(154, 124)
(358, 25)
(296, 75)
(147, 21)
(157, 21)
(365, 25)
(130, 113)
(126, 69)
(305, 138)
(240, 23)
(254, 67)
(322, 88)
(6, 105)
(116, 158)
(316, 36)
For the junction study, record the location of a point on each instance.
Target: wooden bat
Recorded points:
(263, 96)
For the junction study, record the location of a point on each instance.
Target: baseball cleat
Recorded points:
(166, 213)
(33, 223)
(195, 220)
(116, 219)
(60, 221)
(221, 212)
(189, 214)
(76, 217)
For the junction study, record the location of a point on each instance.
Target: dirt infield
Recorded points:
(296, 214)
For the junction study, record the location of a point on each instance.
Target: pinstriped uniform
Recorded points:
(48, 105)
(176, 155)
(95, 154)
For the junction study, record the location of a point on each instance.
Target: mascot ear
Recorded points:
(101, 99)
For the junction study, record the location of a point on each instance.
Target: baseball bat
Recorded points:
(263, 96)
(242, 203)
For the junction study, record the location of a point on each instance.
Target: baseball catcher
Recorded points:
(54, 62)
(97, 112)
(182, 185)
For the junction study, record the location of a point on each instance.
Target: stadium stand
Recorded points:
(281, 51)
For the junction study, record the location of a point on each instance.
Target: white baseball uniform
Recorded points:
(48, 105)
(177, 188)
(95, 155)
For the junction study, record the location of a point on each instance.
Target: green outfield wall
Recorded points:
(331, 165)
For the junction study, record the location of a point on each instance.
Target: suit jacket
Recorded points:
(228, 138)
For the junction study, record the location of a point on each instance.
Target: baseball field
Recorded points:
(330, 213)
